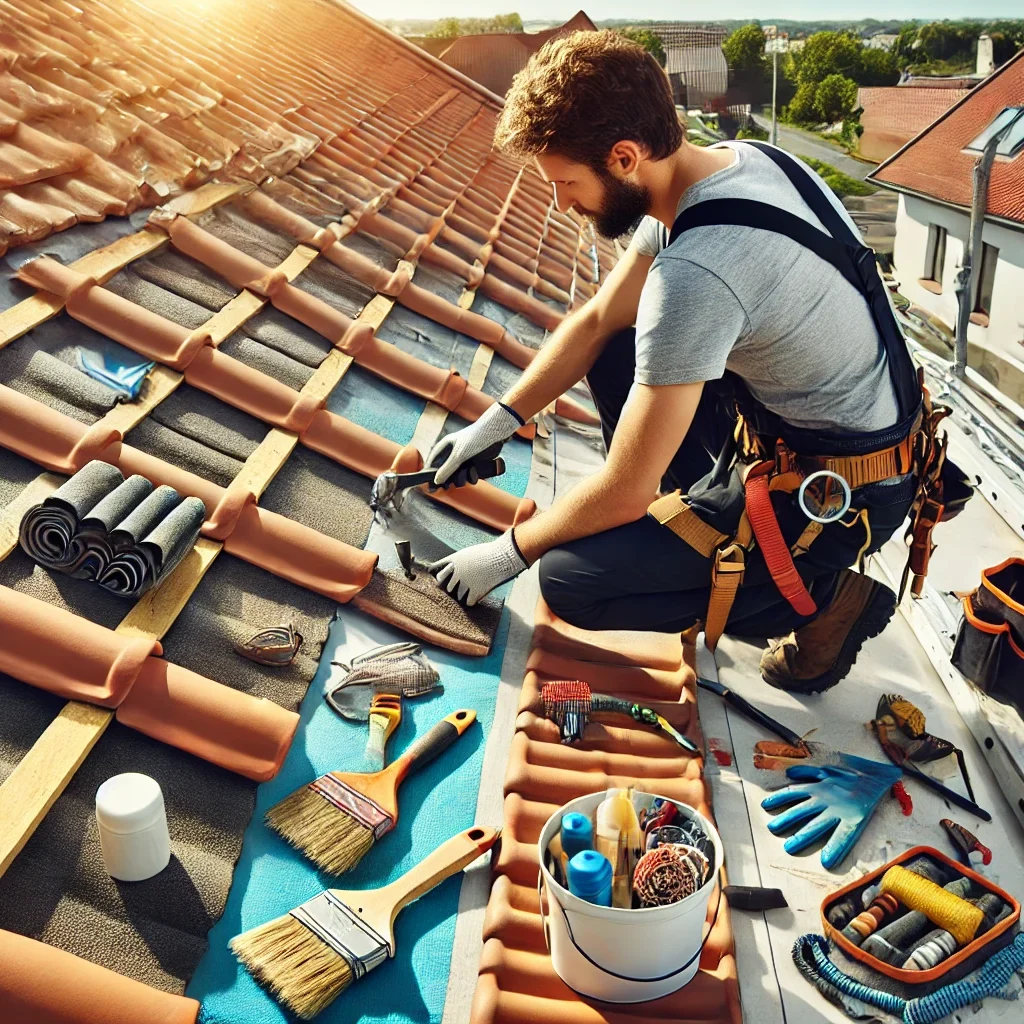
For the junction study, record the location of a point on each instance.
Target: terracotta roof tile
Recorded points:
(893, 115)
(934, 164)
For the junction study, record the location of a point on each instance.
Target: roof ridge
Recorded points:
(971, 93)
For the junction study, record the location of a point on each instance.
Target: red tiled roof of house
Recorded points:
(935, 164)
(494, 59)
(893, 115)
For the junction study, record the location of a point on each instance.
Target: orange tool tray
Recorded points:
(946, 966)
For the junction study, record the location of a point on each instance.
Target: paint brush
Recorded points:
(385, 714)
(336, 819)
(309, 956)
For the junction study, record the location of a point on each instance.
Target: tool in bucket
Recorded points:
(388, 491)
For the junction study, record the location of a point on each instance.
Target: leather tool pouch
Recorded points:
(989, 646)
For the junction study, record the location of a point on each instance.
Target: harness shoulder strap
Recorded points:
(854, 261)
(802, 178)
(753, 214)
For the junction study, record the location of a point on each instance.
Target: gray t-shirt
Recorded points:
(758, 304)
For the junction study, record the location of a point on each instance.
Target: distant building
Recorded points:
(892, 116)
(929, 82)
(881, 41)
(695, 63)
(494, 59)
(933, 175)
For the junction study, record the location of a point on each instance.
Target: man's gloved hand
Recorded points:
(837, 799)
(471, 573)
(451, 453)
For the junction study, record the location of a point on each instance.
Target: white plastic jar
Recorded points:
(133, 827)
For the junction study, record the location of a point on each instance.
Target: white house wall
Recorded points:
(1004, 334)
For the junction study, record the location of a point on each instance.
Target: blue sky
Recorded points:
(667, 10)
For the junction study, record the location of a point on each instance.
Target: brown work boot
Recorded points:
(821, 653)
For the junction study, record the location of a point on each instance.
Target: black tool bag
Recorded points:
(989, 647)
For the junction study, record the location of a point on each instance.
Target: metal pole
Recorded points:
(972, 247)
(775, 85)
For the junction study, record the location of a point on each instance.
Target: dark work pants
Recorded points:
(642, 576)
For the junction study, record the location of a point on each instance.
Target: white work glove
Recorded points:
(451, 453)
(471, 573)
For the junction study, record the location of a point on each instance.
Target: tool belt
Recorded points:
(921, 453)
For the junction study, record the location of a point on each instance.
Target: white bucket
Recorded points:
(616, 954)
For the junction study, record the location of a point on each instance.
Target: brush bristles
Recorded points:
(299, 969)
(330, 838)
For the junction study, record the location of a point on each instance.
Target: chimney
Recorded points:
(986, 65)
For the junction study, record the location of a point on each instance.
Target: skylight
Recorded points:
(1011, 118)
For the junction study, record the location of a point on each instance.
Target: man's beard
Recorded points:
(623, 206)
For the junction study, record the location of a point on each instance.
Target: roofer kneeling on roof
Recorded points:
(743, 342)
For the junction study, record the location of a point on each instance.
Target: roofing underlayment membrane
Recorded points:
(259, 254)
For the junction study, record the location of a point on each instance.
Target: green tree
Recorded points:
(835, 97)
(903, 48)
(744, 48)
(878, 67)
(446, 28)
(829, 53)
(945, 40)
(449, 28)
(648, 40)
(507, 23)
(802, 108)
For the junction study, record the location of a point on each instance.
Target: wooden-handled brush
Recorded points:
(309, 956)
(336, 819)
(385, 714)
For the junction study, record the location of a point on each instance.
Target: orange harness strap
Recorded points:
(771, 542)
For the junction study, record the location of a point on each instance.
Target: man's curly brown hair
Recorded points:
(582, 93)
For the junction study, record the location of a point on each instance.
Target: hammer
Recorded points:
(389, 488)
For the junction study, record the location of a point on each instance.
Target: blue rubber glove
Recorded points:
(837, 799)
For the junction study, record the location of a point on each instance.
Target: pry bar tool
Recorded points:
(707, 679)
(388, 491)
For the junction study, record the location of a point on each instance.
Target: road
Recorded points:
(804, 144)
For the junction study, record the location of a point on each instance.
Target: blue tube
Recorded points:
(590, 878)
(577, 834)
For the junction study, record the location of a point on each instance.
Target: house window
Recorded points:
(984, 279)
(935, 256)
(1012, 120)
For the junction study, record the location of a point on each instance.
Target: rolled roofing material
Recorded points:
(43, 985)
(270, 541)
(143, 565)
(119, 532)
